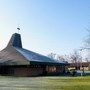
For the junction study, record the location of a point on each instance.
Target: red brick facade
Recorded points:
(31, 71)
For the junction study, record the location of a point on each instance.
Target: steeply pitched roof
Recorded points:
(14, 54)
(15, 41)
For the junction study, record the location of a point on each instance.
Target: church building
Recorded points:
(17, 61)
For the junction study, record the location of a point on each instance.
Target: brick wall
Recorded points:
(28, 71)
(31, 70)
(54, 69)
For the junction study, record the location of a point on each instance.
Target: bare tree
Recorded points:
(52, 55)
(86, 59)
(75, 57)
(60, 58)
(63, 58)
(87, 40)
(86, 47)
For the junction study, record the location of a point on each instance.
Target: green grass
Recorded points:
(44, 83)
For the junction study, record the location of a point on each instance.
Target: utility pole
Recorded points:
(81, 61)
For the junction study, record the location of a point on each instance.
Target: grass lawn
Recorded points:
(44, 83)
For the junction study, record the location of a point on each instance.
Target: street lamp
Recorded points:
(81, 61)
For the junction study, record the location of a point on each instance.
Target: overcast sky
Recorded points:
(46, 25)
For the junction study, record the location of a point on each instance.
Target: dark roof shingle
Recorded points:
(14, 54)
